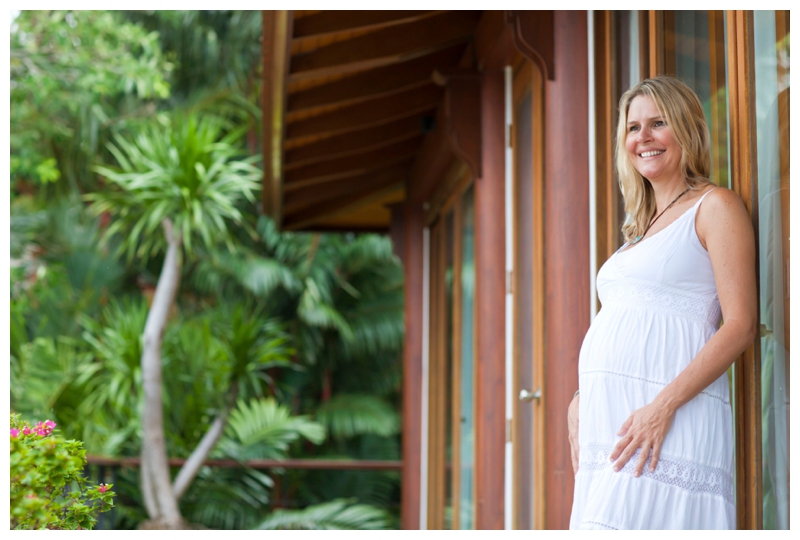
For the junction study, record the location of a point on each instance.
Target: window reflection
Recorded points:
(771, 46)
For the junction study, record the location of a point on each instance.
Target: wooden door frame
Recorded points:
(528, 76)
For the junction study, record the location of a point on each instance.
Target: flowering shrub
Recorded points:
(48, 490)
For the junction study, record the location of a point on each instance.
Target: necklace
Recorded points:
(659, 215)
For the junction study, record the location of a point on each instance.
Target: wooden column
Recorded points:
(275, 53)
(490, 289)
(566, 249)
(412, 365)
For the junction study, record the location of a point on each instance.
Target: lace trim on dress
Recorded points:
(601, 525)
(615, 374)
(674, 471)
(637, 294)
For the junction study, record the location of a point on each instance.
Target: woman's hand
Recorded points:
(572, 428)
(645, 428)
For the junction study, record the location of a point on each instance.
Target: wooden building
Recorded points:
(482, 142)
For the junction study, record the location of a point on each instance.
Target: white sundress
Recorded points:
(659, 307)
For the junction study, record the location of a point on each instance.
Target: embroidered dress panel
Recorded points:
(659, 308)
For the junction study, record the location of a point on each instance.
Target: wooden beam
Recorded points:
(338, 205)
(376, 82)
(488, 31)
(388, 46)
(410, 495)
(432, 161)
(353, 143)
(533, 37)
(351, 165)
(462, 111)
(373, 113)
(305, 197)
(276, 35)
(329, 22)
(490, 319)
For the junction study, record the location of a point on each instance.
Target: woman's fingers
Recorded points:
(642, 461)
(622, 452)
(654, 457)
(624, 429)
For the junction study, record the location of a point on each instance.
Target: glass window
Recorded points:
(695, 52)
(467, 413)
(451, 422)
(771, 47)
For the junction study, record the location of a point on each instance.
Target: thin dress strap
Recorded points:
(704, 196)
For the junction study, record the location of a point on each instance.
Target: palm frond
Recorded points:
(348, 415)
(264, 429)
(335, 515)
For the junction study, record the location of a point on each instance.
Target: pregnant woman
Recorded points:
(651, 425)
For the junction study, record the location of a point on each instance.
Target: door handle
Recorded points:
(527, 395)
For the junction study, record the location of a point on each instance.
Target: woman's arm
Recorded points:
(724, 228)
(572, 429)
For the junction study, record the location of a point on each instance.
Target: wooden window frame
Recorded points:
(447, 198)
(437, 398)
(744, 181)
(527, 76)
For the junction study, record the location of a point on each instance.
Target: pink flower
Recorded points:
(45, 428)
(103, 488)
(27, 430)
(14, 432)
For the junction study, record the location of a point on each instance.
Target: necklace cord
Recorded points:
(659, 215)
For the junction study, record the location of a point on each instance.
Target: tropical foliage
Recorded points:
(277, 344)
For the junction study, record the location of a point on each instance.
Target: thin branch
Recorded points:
(195, 461)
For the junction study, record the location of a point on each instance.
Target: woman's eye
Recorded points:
(633, 128)
(660, 123)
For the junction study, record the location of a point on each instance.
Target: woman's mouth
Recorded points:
(651, 153)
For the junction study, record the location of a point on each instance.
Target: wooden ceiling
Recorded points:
(347, 99)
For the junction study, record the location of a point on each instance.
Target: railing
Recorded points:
(327, 464)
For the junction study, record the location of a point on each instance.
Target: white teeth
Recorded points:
(653, 153)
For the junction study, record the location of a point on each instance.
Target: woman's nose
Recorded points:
(644, 134)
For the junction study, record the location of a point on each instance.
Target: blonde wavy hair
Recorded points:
(683, 113)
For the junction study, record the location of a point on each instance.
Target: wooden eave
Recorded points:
(348, 98)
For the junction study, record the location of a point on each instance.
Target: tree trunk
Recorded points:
(160, 502)
(192, 466)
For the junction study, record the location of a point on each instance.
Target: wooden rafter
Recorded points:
(376, 82)
(372, 113)
(337, 205)
(303, 198)
(351, 165)
(327, 22)
(354, 142)
(388, 46)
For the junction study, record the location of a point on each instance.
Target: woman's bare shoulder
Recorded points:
(721, 210)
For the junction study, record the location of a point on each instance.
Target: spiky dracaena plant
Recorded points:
(187, 176)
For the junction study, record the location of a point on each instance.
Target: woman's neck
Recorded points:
(665, 192)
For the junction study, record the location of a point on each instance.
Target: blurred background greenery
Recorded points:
(119, 119)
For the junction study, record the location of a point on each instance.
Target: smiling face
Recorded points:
(651, 147)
